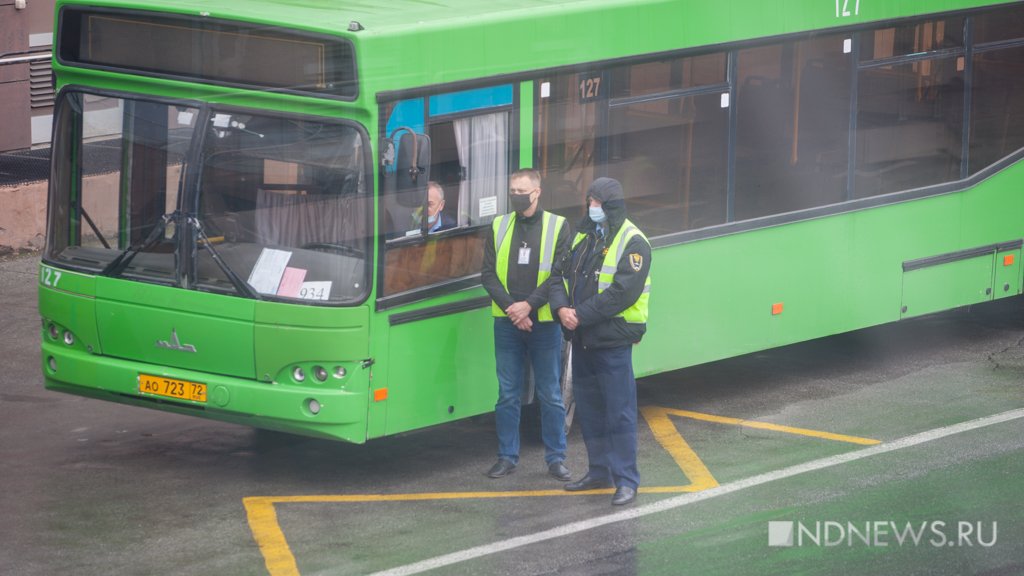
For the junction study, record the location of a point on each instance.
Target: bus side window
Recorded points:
(462, 141)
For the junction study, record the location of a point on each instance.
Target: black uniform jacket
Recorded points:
(599, 326)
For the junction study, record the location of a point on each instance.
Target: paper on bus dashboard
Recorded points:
(291, 283)
(316, 290)
(266, 274)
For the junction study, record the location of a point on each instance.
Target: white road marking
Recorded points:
(692, 497)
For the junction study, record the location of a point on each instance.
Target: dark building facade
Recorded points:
(26, 91)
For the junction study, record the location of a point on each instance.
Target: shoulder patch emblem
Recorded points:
(636, 261)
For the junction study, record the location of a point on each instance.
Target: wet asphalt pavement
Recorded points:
(97, 488)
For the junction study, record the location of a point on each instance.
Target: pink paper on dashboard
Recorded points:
(291, 282)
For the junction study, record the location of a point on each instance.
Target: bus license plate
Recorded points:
(172, 388)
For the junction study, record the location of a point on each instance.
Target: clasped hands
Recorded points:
(519, 314)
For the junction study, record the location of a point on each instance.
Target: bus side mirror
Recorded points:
(405, 186)
(412, 166)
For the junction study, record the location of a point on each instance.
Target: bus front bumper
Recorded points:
(316, 410)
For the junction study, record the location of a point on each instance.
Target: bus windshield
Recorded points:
(262, 205)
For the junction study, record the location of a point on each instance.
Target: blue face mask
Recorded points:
(597, 214)
(431, 220)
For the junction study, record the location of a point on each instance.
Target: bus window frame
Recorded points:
(731, 227)
(190, 195)
(457, 284)
(370, 184)
(61, 101)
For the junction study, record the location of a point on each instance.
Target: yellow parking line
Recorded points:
(277, 555)
(280, 561)
(671, 440)
(770, 426)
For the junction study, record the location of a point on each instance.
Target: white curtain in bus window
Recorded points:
(291, 219)
(997, 96)
(482, 143)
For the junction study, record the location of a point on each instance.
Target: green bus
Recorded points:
(237, 210)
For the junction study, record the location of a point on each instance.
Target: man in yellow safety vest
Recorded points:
(518, 257)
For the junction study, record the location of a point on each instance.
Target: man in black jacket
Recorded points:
(602, 305)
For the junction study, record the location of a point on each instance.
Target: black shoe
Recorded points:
(623, 495)
(501, 468)
(559, 471)
(588, 482)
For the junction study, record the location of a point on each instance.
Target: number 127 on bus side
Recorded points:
(844, 11)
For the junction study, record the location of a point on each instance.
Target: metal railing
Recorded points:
(24, 57)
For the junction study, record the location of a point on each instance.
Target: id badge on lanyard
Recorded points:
(524, 254)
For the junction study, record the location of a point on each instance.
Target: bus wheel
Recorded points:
(568, 399)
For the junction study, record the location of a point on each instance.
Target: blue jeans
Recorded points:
(543, 348)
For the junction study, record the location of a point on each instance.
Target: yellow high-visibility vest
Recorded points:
(551, 225)
(637, 313)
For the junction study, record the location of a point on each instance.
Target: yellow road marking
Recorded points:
(280, 561)
(277, 555)
(671, 440)
(766, 426)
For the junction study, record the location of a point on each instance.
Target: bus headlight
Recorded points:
(319, 373)
(54, 331)
(340, 372)
(69, 338)
(313, 406)
(298, 374)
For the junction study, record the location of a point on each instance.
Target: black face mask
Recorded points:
(520, 202)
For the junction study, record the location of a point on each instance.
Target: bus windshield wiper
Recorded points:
(240, 285)
(117, 266)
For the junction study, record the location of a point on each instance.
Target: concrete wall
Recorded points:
(22, 217)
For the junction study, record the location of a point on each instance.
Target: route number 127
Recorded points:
(846, 8)
(49, 277)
